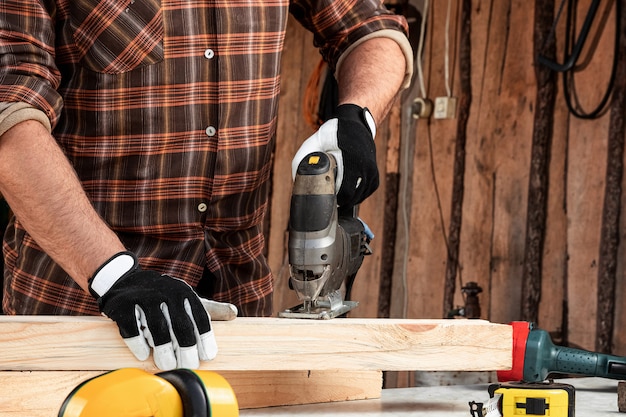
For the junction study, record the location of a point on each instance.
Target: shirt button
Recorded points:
(210, 131)
(202, 207)
(208, 53)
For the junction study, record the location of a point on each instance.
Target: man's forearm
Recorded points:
(44, 193)
(371, 76)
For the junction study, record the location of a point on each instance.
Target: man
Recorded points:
(140, 132)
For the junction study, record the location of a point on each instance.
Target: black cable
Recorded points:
(568, 76)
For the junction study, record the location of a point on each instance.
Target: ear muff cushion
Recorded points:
(191, 391)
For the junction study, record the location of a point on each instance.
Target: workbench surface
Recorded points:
(594, 397)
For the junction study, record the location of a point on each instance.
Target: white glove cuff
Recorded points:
(111, 272)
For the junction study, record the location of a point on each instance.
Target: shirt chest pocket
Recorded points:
(116, 36)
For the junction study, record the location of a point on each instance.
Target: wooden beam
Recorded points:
(267, 361)
(41, 393)
(52, 343)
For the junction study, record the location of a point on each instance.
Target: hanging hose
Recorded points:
(568, 76)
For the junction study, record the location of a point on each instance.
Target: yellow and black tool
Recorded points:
(326, 245)
(533, 399)
(131, 392)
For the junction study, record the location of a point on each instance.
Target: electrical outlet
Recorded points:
(445, 108)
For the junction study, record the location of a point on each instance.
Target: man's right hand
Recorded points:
(349, 137)
(154, 311)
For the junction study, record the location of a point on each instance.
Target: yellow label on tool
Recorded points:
(314, 159)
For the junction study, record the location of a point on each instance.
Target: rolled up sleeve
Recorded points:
(338, 26)
(28, 73)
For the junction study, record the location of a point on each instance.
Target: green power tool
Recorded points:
(535, 357)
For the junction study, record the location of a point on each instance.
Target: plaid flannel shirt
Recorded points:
(167, 111)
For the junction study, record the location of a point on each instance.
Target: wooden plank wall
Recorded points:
(496, 179)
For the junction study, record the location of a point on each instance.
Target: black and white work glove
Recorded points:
(349, 137)
(157, 311)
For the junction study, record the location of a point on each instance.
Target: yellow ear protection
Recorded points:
(125, 392)
(131, 392)
(203, 393)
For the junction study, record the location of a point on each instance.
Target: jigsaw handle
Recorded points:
(313, 201)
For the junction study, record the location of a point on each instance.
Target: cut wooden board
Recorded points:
(50, 343)
(267, 361)
(41, 393)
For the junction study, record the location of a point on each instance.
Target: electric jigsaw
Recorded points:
(327, 244)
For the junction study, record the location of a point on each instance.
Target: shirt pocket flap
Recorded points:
(117, 36)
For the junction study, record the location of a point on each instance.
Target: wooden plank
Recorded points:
(475, 251)
(272, 344)
(267, 361)
(431, 169)
(497, 182)
(555, 259)
(41, 393)
(621, 396)
(270, 388)
(554, 269)
(586, 170)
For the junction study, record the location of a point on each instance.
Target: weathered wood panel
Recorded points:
(585, 183)
(617, 105)
(432, 170)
